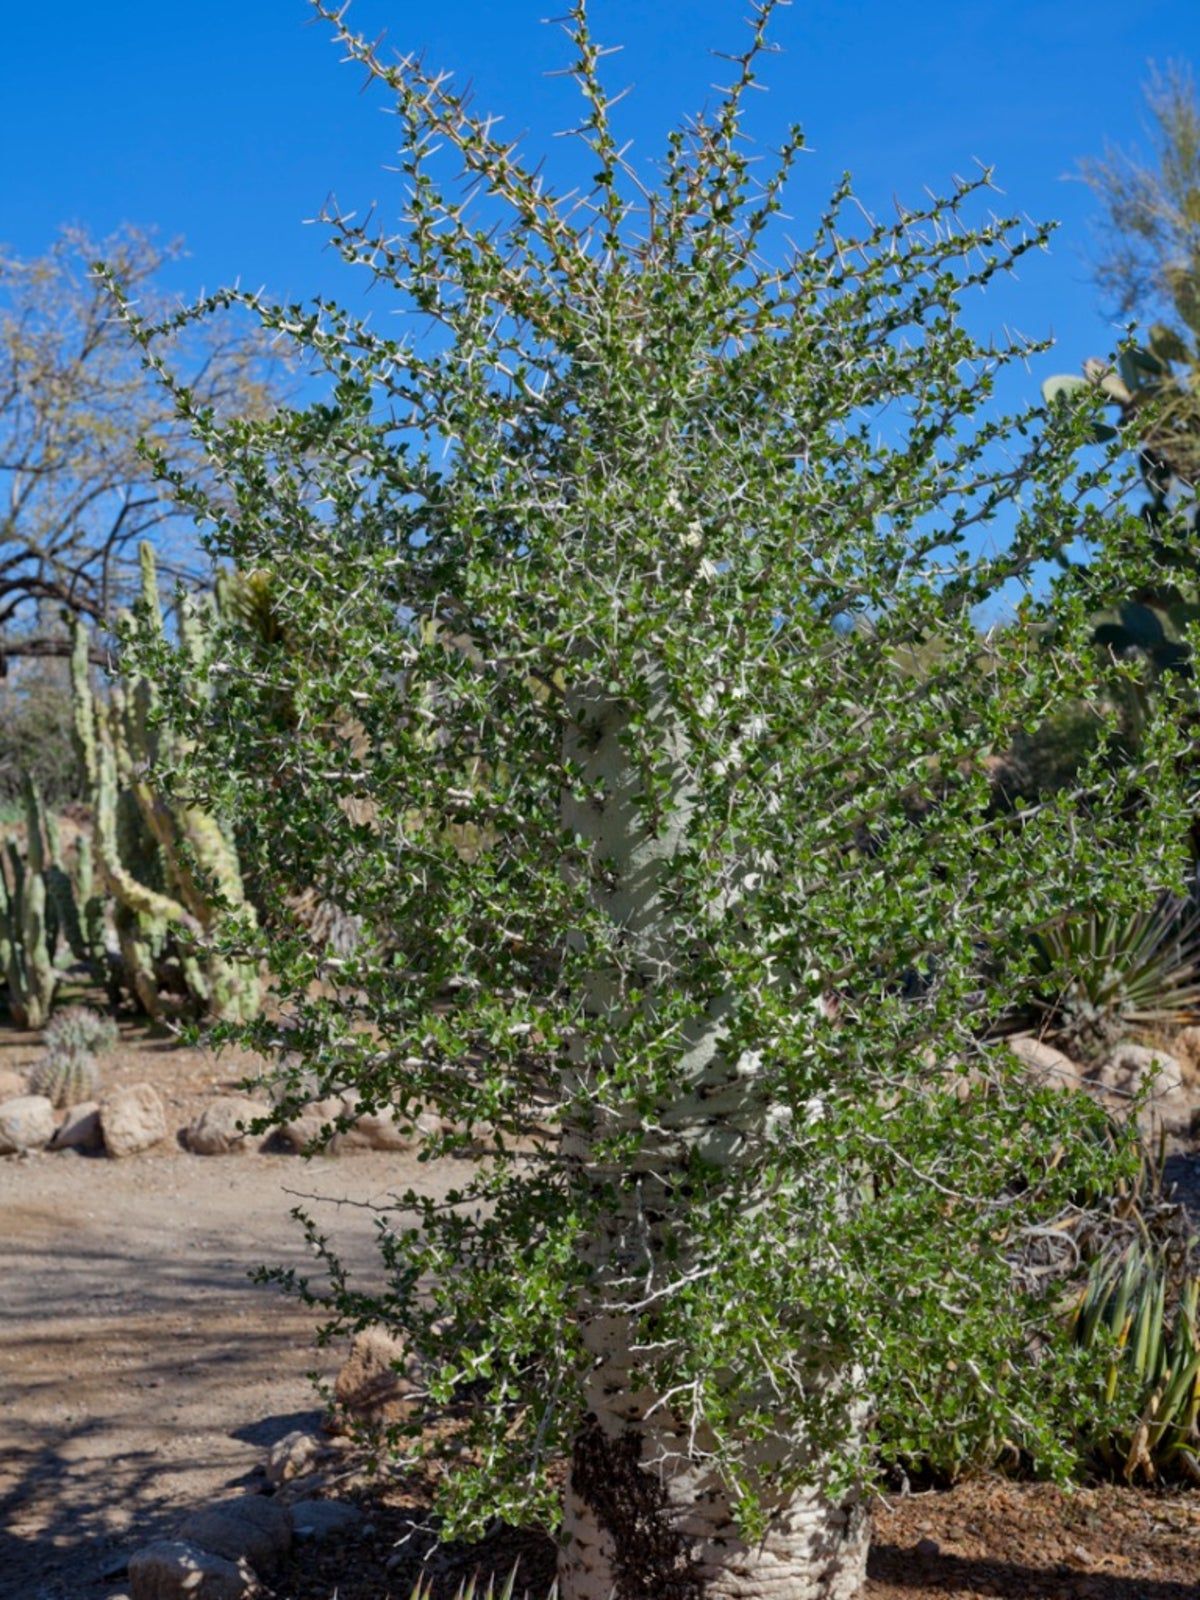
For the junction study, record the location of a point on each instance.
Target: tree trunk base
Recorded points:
(634, 1534)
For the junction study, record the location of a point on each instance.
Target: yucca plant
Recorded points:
(1108, 973)
(1137, 1306)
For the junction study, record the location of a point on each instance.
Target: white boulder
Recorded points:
(11, 1084)
(132, 1119)
(172, 1569)
(26, 1123)
(1129, 1068)
(1049, 1068)
(220, 1129)
(294, 1456)
(250, 1529)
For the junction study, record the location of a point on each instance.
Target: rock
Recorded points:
(79, 1129)
(171, 1569)
(251, 1529)
(132, 1119)
(1186, 1050)
(216, 1131)
(294, 1455)
(373, 1130)
(26, 1123)
(1049, 1068)
(306, 1128)
(383, 1130)
(1127, 1069)
(326, 1519)
(376, 1378)
(12, 1084)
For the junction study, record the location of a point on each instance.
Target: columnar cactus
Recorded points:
(168, 866)
(28, 921)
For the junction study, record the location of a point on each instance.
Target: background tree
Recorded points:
(1149, 266)
(683, 903)
(76, 495)
(1149, 261)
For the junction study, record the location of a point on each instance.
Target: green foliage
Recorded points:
(1139, 1312)
(1150, 247)
(1114, 1217)
(613, 570)
(1150, 263)
(1047, 759)
(65, 1075)
(1109, 973)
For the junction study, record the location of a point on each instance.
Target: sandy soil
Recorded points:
(142, 1373)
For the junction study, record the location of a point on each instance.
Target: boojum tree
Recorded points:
(686, 904)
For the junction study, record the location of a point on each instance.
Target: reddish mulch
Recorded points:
(1036, 1542)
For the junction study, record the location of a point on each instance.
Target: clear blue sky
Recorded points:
(230, 121)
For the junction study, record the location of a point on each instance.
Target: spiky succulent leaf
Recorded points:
(1107, 974)
(1139, 1310)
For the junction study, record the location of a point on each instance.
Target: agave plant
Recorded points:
(1104, 974)
(1154, 1361)
(472, 1589)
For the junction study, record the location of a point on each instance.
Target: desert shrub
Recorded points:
(596, 728)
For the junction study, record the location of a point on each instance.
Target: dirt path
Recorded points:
(141, 1372)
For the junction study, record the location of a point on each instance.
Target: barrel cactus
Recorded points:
(65, 1077)
(78, 1030)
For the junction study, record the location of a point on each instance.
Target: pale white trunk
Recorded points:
(635, 1534)
(646, 1516)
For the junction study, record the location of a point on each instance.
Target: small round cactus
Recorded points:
(78, 1030)
(65, 1077)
